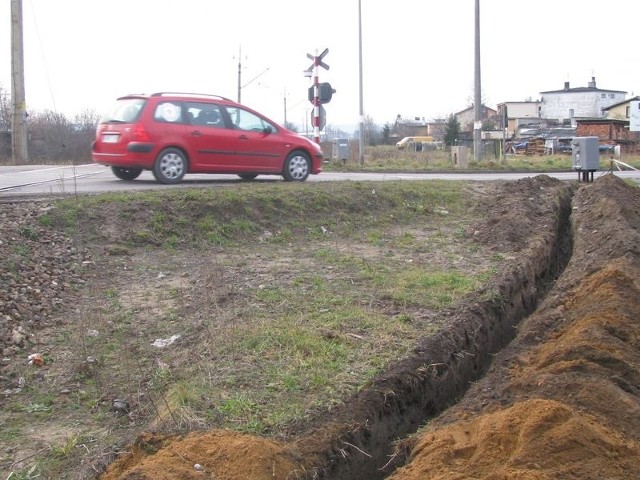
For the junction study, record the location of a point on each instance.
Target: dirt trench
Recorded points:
(360, 439)
(563, 399)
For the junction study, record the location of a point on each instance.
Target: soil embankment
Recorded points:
(563, 400)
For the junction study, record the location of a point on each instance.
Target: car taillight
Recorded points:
(139, 134)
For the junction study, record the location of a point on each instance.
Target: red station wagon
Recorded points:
(172, 134)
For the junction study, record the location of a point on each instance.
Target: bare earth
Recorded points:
(543, 363)
(563, 399)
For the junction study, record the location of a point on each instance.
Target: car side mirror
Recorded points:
(268, 129)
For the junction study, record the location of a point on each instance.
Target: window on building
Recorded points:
(627, 111)
(603, 95)
(612, 95)
(571, 113)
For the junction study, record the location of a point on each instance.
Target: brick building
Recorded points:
(609, 132)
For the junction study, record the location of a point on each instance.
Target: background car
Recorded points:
(173, 134)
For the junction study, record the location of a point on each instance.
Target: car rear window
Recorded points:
(126, 110)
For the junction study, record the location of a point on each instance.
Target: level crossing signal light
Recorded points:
(325, 92)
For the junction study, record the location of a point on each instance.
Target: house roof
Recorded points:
(621, 103)
(523, 102)
(582, 90)
(602, 120)
(472, 107)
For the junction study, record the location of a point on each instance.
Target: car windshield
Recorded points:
(126, 110)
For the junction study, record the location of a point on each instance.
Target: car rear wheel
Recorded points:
(247, 176)
(296, 167)
(126, 173)
(170, 166)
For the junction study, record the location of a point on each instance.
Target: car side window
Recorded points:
(168, 112)
(245, 120)
(205, 114)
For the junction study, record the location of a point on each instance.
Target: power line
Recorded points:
(44, 57)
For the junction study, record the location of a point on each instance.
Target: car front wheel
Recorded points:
(126, 173)
(296, 167)
(170, 166)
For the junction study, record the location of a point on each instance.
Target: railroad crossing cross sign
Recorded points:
(317, 60)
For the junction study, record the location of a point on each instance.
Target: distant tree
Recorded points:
(372, 134)
(488, 125)
(6, 110)
(386, 132)
(52, 136)
(452, 131)
(83, 133)
(333, 131)
(49, 135)
(55, 138)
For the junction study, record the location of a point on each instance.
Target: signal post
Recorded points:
(319, 93)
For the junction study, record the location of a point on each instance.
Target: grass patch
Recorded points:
(285, 299)
(387, 158)
(179, 218)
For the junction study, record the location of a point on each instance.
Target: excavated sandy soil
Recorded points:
(538, 376)
(562, 401)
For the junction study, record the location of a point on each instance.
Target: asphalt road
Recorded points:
(57, 180)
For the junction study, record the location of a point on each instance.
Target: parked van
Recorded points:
(412, 140)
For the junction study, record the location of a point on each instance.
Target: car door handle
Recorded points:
(243, 137)
(196, 133)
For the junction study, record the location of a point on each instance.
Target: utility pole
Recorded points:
(477, 102)
(285, 107)
(240, 85)
(239, 72)
(19, 119)
(361, 139)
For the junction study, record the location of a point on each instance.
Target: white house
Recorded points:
(581, 102)
(527, 109)
(515, 114)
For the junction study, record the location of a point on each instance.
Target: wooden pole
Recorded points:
(19, 133)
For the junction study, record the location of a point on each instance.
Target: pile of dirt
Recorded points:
(561, 401)
(216, 454)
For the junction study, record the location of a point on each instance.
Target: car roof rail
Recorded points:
(194, 95)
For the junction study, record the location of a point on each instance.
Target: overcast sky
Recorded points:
(418, 55)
